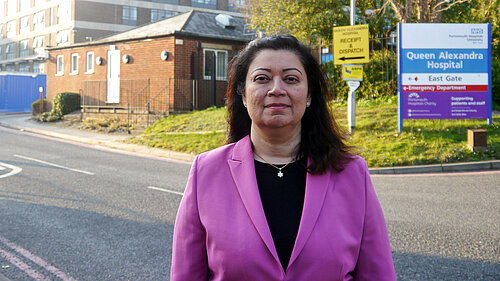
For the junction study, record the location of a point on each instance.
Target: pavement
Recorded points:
(23, 122)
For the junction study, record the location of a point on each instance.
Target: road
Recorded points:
(97, 215)
(81, 212)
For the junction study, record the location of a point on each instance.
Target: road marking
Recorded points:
(23, 266)
(14, 169)
(166, 190)
(27, 254)
(52, 164)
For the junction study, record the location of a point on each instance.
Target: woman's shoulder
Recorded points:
(355, 163)
(217, 154)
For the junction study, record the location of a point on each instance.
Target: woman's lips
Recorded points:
(277, 106)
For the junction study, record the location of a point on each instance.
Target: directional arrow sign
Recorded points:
(351, 44)
(11, 170)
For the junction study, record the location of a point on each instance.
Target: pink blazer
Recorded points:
(221, 232)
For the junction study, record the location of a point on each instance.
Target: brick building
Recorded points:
(28, 27)
(177, 64)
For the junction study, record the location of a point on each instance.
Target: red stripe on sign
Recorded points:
(445, 88)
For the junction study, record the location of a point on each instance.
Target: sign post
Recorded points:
(351, 45)
(444, 71)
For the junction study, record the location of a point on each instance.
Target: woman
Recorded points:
(284, 200)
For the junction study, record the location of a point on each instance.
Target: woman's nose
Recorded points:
(277, 87)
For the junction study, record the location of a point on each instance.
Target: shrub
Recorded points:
(495, 80)
(49, 117)
(64, 103)
(35, 107)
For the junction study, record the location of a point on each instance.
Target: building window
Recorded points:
(207, 4)
(1, 28)
(39, 21)
(11, 7)
(220, 64)
(24, 5)
(62, 37)
(74, 64)
(166, 1)
(11, 28)
(10, 67)
(24, 48)
(39, 3)
(2, 9)
(10, 50)
(24, 67)
(236, 5)
(1, 52)
(64, 13)
(38, 67)
(157, 15)
(24, 26)
(89, 68)
(38, 42)
(129, 15)
(60, 65)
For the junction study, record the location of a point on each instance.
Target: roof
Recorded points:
(195, 23)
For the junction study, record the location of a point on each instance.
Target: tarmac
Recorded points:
(23, 122)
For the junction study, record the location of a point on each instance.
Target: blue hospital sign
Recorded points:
(444, 71)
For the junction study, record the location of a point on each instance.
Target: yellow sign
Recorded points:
(351, 72)
(350, 44)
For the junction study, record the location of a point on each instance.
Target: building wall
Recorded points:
(90, 20)
(144, 63)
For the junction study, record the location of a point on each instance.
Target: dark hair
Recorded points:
(322, 140)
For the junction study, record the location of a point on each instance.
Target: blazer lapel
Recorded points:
(243, 173)
(316, 187)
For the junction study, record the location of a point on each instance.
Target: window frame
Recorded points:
(64, 19)
(74, 64)
(24, 25)
(10, 29)
(10, 50)
(128, 14)
(89, 62)
(60, 70)
(24, 48)
(222, 77)
(39, 20)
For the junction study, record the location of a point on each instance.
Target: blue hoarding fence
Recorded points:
(19, 90)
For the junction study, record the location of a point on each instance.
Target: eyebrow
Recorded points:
(269, 70)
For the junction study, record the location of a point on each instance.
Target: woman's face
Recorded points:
(276, 91)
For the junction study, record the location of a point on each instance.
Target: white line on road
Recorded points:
(166, 190)
(52, 164)
(14, 169)
(27, 254)
(23, 266)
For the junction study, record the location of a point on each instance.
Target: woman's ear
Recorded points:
(243, 98)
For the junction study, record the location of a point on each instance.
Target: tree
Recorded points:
(421, 10)
(311, 21)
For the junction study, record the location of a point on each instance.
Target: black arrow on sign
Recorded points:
(351, 58)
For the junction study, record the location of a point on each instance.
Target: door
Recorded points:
(113, 77)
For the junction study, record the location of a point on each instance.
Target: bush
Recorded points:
(49, 117)
(64, 103)
(495, 80)
(35, 107)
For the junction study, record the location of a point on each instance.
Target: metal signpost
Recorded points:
(444, 71)
(351, 45)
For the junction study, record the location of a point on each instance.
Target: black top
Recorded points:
(282, 199)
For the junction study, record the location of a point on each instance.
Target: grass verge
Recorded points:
(376, 138)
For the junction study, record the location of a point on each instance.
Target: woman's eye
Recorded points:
(260, 78)
(291, 79)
